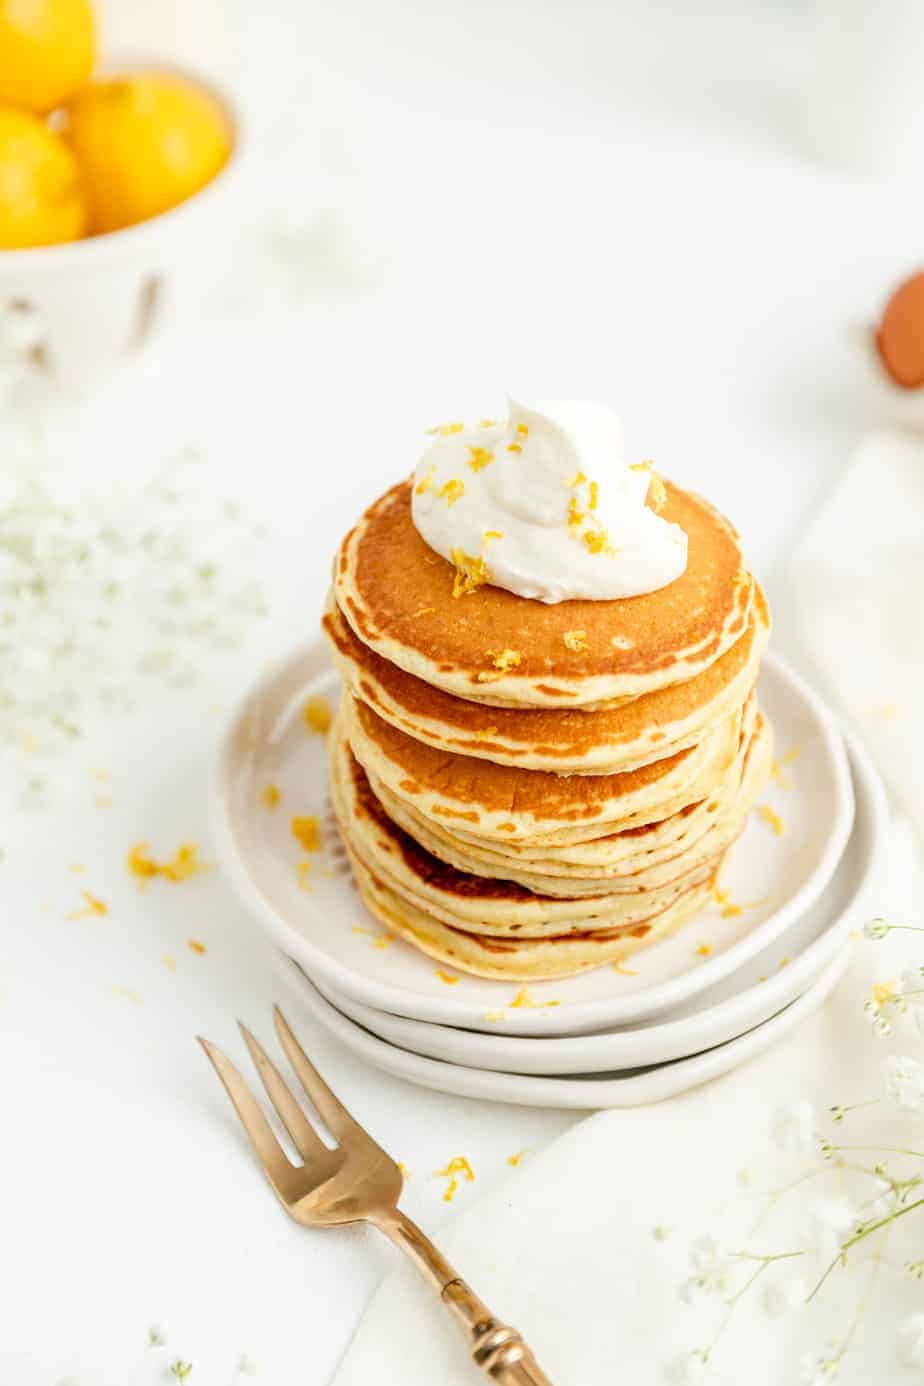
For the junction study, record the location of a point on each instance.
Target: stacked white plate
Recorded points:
(693, 1006)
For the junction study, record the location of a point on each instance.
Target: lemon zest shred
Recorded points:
(480, 457)
(471, 573)
(451, 491)
(446, 430)
(575, 640)
(317, 715)
(446, 977)
(771, 818)
(270, 796)
(514, 1160)
(307, 832)
(455, 1168)
(94, 907)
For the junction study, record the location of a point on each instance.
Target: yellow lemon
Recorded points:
(41, 195)
(145, 143)
(47, 49)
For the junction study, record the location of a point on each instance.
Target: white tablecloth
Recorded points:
(593, 204)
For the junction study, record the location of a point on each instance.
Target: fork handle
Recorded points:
(499, 1351)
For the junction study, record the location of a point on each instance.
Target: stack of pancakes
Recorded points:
(526, 790)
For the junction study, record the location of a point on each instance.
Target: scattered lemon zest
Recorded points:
(307, 832)
(704, 950)
(598, 541)
(93, 908)
(270, 796)
(575, 640)
(523, 430)
(577, 479)
(406, 1173)
(487, 423)
(183, 865)
(426, 481)
(594, 495)
(772, 818)
(446, 977)
(742, 578)
(471, 573)
(480, 457)
(494, 1016)
(378, 940)
(784, 962)
(317, 715)
(446, 430)
(422, 611)
(451, 491)
(514, 1160)
(195, 946)
(492, 534)
(128, 994)
(657, 491)
(514, 447)
(170, 962)
(778, 767)
(455, 1168)
(303, 871)
(525, 1001)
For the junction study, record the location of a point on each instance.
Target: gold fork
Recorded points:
(357, 1182)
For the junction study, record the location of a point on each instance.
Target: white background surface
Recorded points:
(560, 199)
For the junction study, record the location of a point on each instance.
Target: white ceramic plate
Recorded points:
(756, 991)
(631, 1089)
(327, 929)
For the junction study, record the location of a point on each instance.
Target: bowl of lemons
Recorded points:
(109, 174)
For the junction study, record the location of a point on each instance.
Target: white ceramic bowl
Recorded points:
(90, 305)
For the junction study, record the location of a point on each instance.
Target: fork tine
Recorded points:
(306, 1140)
(336, 1116)
(267, 1149)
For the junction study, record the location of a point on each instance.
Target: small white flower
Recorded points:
(875, 929)
(904, 1080)
(830, 1221)
(711, 1267)
(688, 1370)
(795, 1128)
(910, 1343)
(783, 1295)
(157, 1336)
(246, 1366)
(818, 1371)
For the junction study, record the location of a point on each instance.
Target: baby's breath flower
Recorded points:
(875, 929)
(246, 1366)
(783, 1295)
(904, 1081)
(795, 1127)
(915, 1269)
(180, 1369)
(689, 1369)
(830, 1220)
(157, 1337)
(910, 1343)
(711, 1267)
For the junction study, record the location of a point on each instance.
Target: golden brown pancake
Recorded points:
(645, 871)
(520, 959)
(497, 648)
(567, 740)
(482, 904)
(506, 803)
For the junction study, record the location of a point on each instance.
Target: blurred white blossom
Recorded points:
(904, 1081)
(795, 1128)
(911, 1341)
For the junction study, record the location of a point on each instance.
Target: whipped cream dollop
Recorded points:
(545, 505)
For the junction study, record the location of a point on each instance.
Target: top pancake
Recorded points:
(397, 595)
(568, 740)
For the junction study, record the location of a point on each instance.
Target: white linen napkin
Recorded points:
(566, 1249)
